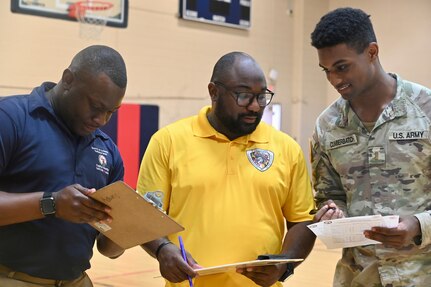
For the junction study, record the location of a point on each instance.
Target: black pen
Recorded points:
(314, 211)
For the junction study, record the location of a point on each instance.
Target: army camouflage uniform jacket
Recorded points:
(386, 171)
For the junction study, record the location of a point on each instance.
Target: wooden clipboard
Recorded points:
(135, 220)
(232, 267)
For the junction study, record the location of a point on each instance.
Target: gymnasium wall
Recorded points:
(170, 60)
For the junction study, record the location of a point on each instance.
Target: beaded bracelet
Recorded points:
(161, 246)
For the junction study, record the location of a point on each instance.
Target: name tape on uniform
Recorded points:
(349, 140)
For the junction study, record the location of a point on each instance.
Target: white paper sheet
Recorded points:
(349, 232)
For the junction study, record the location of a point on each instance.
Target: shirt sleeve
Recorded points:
(300, 199)
(8, 138)
(118, 173)
(425, 222)
(326, 181)
(154, 172)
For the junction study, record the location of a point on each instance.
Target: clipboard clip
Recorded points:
(272, 256)
(155, 198)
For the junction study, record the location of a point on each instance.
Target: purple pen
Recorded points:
(183, 253)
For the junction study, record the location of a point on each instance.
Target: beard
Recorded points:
(236, 125)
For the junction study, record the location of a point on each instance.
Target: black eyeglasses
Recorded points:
(244, 99)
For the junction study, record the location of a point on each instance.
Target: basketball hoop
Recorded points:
(92, 17)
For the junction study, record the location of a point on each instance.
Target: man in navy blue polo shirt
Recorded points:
(52, 156)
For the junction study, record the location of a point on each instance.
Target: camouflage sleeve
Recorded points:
(326, 181)
(425, 222)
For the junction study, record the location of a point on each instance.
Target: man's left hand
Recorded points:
(397, 237)
(263, 275)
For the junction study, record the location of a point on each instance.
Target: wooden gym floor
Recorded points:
(135, 268)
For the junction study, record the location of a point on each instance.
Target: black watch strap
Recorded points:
(288, 273)
(290, 267)
(47, 204)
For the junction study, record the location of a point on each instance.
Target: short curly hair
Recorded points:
(344, 25)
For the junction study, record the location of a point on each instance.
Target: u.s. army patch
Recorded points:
(260, 158)
(408, 135)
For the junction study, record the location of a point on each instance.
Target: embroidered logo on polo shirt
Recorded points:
(102, 160)
(260, 158)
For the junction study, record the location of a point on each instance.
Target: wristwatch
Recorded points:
(288, 273)
(289, 269)
(47, 204)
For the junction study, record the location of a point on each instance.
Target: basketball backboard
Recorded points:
(116, 10)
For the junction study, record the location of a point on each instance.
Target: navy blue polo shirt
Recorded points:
(39, 153)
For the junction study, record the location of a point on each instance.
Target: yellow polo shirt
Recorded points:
(231, 196)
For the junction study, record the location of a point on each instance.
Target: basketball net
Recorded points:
(92, 17)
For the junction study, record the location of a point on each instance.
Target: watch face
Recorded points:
(47, 205)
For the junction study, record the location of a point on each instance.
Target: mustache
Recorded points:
(249, 115)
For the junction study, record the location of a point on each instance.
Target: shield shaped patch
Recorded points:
(260, 158)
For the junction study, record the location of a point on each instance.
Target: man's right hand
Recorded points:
(172, 265)
(73, 204)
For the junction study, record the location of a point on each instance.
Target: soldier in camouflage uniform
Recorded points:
(371, 154)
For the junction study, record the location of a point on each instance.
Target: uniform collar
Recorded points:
(38, 100)
(396, 108)
(202, 128)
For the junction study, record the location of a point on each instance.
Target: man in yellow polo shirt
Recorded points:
(232, 181)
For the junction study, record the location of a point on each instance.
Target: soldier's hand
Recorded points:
(397, 237)
(73, 204)
(328, 211)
